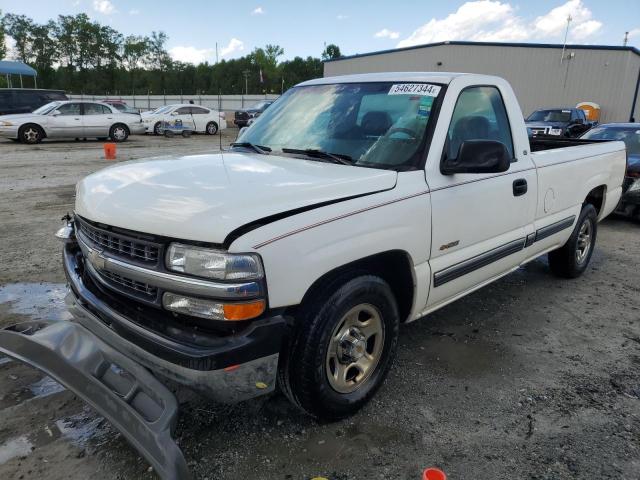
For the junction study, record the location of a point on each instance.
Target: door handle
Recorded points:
(519, 187)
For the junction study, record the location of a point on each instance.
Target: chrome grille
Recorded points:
(119, 244)
(138, 287)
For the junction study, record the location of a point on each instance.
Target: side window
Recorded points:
(183, 111)
(5, 99)
(69, 109)
(479, 114)
(95, 109)
(199, 111)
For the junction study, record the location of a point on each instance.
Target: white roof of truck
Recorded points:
(432, 77)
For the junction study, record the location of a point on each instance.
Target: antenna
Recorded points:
(566, 33)
(626, 39)
(219, 120)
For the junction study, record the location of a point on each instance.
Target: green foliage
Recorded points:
(79, 55)
(330, 52)
(3, 49)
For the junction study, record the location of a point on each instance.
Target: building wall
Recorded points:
(538, 77)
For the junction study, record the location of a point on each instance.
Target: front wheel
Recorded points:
(31, 134)
(344, 346)
(212, 128)
(572, 259)
(119, 133)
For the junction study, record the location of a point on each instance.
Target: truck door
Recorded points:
(480, 222)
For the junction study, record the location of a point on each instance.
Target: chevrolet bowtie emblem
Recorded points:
(96, 259)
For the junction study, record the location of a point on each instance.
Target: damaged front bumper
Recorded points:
(121, 390)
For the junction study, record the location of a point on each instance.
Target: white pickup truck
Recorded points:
(351, 205)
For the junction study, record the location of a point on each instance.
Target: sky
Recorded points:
(356, 26)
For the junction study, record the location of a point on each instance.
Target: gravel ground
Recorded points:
(532, 377)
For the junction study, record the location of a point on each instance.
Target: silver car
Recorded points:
(71, 119)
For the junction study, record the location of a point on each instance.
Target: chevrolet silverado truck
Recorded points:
(352, 205)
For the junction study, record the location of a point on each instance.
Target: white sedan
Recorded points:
(71, 119)
(201, 119)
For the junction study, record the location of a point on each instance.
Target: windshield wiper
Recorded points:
(257, 148)
(313, 152)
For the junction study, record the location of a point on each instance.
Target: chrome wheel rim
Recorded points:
(119, 133)
(31, 134)
(355, 348)
(211, 129)
(584, 241)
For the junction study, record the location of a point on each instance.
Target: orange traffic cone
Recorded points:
(110, 151)
(433, 474)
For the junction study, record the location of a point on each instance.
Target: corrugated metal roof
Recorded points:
(16, 68)
(492, 44)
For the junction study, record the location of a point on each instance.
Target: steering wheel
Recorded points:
(407, 131)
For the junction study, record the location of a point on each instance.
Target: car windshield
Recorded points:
(43, 110)
(629, 135)
(380, 125)
(164, 109)
(550, 116)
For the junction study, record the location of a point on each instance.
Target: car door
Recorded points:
(480, 222)
(183, 114)
(201, 116)
(66, 121)
(97, 119)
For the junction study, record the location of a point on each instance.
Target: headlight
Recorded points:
(555, 131)
(635, 186)
(6, 124)
(212, 309)
(209, 263)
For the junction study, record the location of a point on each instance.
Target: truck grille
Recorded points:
(119, 244)
(131, 286)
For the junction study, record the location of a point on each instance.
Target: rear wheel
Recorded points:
(572, 259)
(212, 128)
(31, 134)
(156, 128)
(119, 132)
(344, 346)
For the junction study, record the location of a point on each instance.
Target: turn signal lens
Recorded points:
(243, 311)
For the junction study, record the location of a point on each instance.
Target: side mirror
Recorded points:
(578, 121)
(478, 156)
(55, 113)
(173, 114)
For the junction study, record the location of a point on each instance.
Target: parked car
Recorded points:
(559, 122)
(629, 133)
(244, 118)
(71, 119)
(295, 257)
(203, 120)
(121, 106)
(26, 100)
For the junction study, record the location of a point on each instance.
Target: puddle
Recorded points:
(40, 301)
(15, 447)
(85, 427)
(45, 386)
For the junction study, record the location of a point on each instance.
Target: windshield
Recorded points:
(629, 135)
(550, 116)
(43, 110)
(164, 109)
(379, 125)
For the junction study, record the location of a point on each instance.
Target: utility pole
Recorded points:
(216, 52)
(245, 74)
(626, 39)
(566, 33)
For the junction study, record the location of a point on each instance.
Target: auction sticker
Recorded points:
(414, 89)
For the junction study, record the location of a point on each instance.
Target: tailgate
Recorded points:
(121, 390)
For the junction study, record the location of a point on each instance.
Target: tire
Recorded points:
(31, 134)
(211, 128)
(156, 128)
(572, 259)
(346, 320)
(119, 133)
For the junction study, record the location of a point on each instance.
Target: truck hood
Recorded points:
(546, 124)
(206, 197)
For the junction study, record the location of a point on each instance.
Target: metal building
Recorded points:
(542, 75)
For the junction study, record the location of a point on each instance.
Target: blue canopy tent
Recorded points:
(9, 68)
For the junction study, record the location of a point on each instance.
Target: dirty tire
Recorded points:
(31, 134)
(572, 259)
(119, 133)
(303, 375)
(212, 128)
(156, 128)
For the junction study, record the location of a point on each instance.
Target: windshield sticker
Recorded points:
(414, 89)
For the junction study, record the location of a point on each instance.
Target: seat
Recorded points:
(471, 127)
(375, 123)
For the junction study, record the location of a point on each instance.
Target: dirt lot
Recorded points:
(530, 378)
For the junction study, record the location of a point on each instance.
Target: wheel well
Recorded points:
(120, 123)
(44, 134)
(596, 197)
(394, 267)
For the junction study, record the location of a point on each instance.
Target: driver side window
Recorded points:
(479, 114)
(69, 109)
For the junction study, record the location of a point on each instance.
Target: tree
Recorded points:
(331, 52)
(19, 27)
(3, 46)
